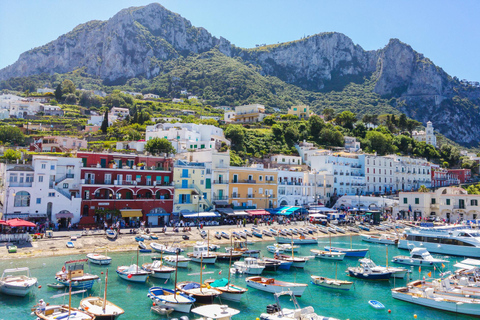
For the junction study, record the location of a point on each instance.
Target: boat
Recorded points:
(225, 235)
(143, 248)
(203, 234)
(168, 298)
(11, 248)
(323, 230)
(273, 232)
(153, 236)
(364, 228)
(161, 310)
(199, 291)
(213, 247)
(382, 239)
(331, 283)
(179, 261)
(275, 249)
(218, 235)
(267, 233)
(62, 312)
(270, 265)
(249, 266)
(55, 285)
(138, 238)
(215, 312)
(274, 286)
(446, 240)
(429, 298)
(111, 234)
(369, 271)
(248, 233)
(341, 230)
(227, 255)
(201, 253)
(419, 257)
(257, 233)
(158, 270)
(133, 273)
(348, 252)
(276, 312)
(331, 230)
(17, 282)
(70, 244)
(297, 240)
(352, 229)
(101, 308)
(165, 249)
(376, 304)
(284, 265)
(242, 234)
(100, 259)
(330, 255)
(396, 272)
(282, 233)
(241, 246)
(297, 262)
(73, 272)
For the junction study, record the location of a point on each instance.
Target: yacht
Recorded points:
(201, 253)
(447, 240)
(249, 266)
(419, 257)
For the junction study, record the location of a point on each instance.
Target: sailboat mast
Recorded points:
(137, 259)
(292, 245)
(176, 269)
(230, 263)
(69, 293)
(105, 292)
(387, 255)
(336, 267)
(201, 269)
(330, 237)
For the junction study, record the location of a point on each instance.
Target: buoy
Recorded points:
(389, 311)
(415, 316)
(101, 272)
(39, 287)
(129, 276)
(154, 304)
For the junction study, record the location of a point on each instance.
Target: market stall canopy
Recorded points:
(64, 214)
(131, 213)
(200, 214)
(3, 222)
(260, 212)
(20, 223)
(226, 211)
(322, 210)
(317, 215)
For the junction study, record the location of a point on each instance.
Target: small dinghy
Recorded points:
(218, 235)
(257, 233)
(203, 234)
(143, 247)
(70, 244)
(12, 248)
(225, 235)
(161, 310)
(55, 285)
(376, 304)
(111, 234)
(153, 236)
(138, 239)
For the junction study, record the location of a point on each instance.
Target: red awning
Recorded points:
(258, 212)
(20, 223)
(3, 222)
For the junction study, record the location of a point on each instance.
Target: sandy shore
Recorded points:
(56, 246)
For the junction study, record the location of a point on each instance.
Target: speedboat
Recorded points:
(330, 255)
(111, 234)
(201, 254)
(200, 292)
(276, 312)
(179, 301)
(17, 282)
(52, 312)
(348, 252)
(274, 286)
(132, 273)
(215, 312)
(331, 283)
(284, 265)
(102, 309)
(382, 239)
(73, 271)
(100, 259)
(249, 266)
(369, 271)
(229, 291)
(158, 270)
(419, 257)
(179, 261)
(225, 235)
(297, 262)
(297, 240)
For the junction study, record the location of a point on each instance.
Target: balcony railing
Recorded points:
(20, 184)
(220, 181)
(235, 195)
(220, 197)
(250, 196)
(244, 181)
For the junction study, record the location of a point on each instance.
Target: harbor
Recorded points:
(339, 304)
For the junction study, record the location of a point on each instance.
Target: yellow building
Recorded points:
(253, 187)
(193, 186)
(249, 113)
(302, 112)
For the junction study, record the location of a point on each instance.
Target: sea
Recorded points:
(132, 297)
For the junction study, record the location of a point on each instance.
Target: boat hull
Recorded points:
(296, 240)
(367, 276)
(328, 255)
(444, 249)
(180, 306)
(417, 262)
(14, 290)
(134, 277)
(100, 261)
(378, 240)
(349, 252)
(296, 290)
(332, 284)
(88, 284)
(204, 260)
(180, 264)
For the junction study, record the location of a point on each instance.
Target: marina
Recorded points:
(253, 302)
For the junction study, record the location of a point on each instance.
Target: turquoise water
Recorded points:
(132, 296)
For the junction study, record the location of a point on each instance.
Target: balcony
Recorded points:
(250, 196)
(69, 176)
(456, 206)
(244, 181)
(220, 181)
(19, 184)
(235, 195)
(220, 197)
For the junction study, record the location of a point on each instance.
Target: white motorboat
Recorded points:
(132, 273)
(100, 259)
(158, 270)
(17, 282)
(276, 312)
(331, 283)
(297, 240)
(369, 271)
(382, 239)
(330, 255)
(158, 247)
(274, 286)
(52, 312)
(249, 266)
(111, 234)
(215, 312)
(169, 298)
(298, 262)
(419, 257)
(447, 240)
(180, 261)
(201, 253)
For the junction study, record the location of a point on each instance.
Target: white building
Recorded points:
(411, 173)
(427, 136)
(7, 99)
(210, 117)
(176, 100)
(185, 136)
(379, 174)
(284, 159)
(293, 188)
(26, 107)
(45, 90)
(364, 203)
(351, 144)
(119, 112)
(47, 188)
(131, 145)
(229, 116)
(151, 96)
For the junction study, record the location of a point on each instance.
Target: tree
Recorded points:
(346, 119)
(402, 123)
(378, 142)
(423, 189)
(316, 125)
(370, 118)
(71, 98)
(104, 126)
(236, 134)
(331, 137)
(328, 114)
(58, 92)
(68, 86)
(269, 120)
(159, 145)
(11, 135)
(12, 155)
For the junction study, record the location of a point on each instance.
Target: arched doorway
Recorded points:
(85, 211)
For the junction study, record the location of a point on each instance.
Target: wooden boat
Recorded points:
(227, 255)
(331, 283)
(297, 262)
(73, 272)
(11, 248)
(101, 308)
(419, 257)
(179, 261)
(17, 282)
(382, 239)
(100, 259)
(200, 292)
(284, 265)
(111, 234)
(161, 310)
(70, 244)
(274, 286)
(297, 240)
(215, 312)
(225, 235)
(330, 255)
(369, 271)
(241, 246)
(376, 304)
(62, 312)
(249, 266)
(168, 298)
(158, 270)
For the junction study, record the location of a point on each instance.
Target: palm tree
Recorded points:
(423, 189)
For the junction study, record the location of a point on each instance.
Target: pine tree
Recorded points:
(58, 92)
(104, 126)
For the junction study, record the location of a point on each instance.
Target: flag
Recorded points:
(165, 281)
(220, 272)
(419, 269)
(434, 268)
(429, 274)
(443, 266)
(203, 268)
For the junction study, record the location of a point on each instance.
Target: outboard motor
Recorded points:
(272, 308)
(184, 318)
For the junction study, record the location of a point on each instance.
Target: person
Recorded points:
(41, 305)
(105, 226)
(69, 225)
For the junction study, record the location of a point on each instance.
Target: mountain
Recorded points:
(145, 47)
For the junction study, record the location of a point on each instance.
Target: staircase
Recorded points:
(210, 205)
(63, 192)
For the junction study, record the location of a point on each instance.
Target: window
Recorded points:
(29, 177)
(260, 178)
(52, 167)
(44, 165)
(474, 202)
(434, 200)
(51, 194)
(13, 177)
(201, 182)
(39, 200)
(448, 202)
(40, 178)
(65, 186)
(22, 199)
(417, 201)
(405, 201)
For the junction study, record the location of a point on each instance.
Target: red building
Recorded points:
(464, 175)
(136, 187)
(442, 178)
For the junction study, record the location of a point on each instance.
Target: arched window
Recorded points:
(22, 199)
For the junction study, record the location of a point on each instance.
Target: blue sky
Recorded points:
(447, 32)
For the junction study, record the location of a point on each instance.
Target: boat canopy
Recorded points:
(219, 283)
(191, 285)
